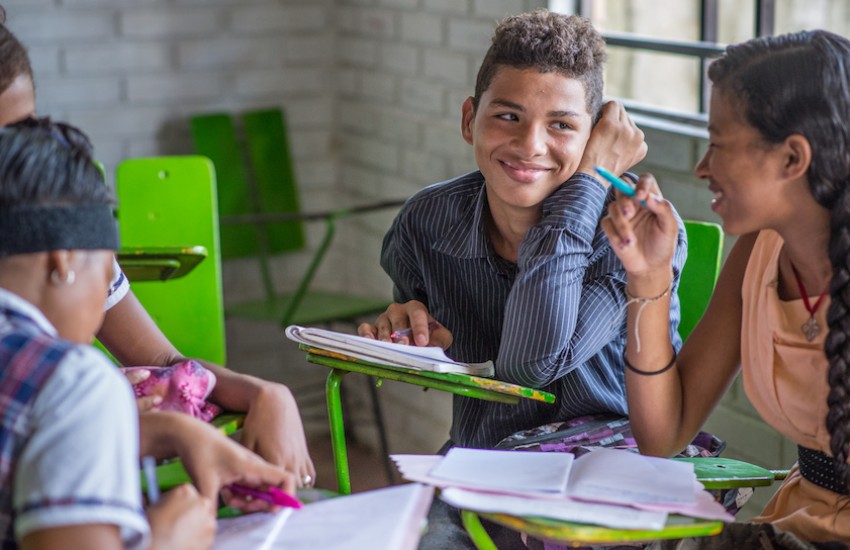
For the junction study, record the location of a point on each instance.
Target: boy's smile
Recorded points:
(528, 133)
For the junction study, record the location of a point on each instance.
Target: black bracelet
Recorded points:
(652, 373)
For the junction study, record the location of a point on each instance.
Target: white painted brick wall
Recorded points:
(158, 23)
(422, 28)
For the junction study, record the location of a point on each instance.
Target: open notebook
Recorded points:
(609, 487)
(384, 519)
(428, 358)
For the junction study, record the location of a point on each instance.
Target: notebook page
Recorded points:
(617, 476)
(506, 470)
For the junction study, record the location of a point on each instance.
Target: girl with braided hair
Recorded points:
(779, 168)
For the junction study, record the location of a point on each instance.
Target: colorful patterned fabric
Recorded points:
(184, 387)
(584, 434)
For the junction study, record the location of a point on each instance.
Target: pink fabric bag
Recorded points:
(184, 387)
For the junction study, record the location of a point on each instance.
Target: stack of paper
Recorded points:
(384, 519)
(430, 358)
(608, 487)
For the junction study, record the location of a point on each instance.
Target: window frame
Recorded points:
(705, 49)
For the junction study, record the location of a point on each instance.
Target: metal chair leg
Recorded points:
(332, 388)
(476, 531)
(382, 431)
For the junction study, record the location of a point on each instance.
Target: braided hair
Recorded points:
(800, 84)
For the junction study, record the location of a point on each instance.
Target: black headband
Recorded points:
(41, 228)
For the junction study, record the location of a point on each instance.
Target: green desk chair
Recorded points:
(459, 384)
(167, 215)
(171, 202)
(261, 217)
(705, 250)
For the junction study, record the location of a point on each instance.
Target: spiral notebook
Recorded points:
(429, 358)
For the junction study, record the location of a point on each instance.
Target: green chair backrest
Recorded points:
(269, 188)
(171, 201)
(705, 251)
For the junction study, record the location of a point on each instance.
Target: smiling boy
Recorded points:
(510, 259)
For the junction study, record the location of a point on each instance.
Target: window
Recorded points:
(658, 49)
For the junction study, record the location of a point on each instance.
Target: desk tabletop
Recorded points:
(159, 263)
(579, 533)
(445, 379)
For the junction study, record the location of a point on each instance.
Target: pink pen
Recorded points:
(398, 334)
(272, 495)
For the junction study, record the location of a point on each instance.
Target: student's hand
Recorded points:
(212, 461)
(412, 315)
(642, 235)
(274, 431)
(182, 519)
(137, 376)
(615, 143)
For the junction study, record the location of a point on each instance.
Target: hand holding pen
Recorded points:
(621, 185)
(407, 323)
(398, 334)
(272, 495)
(643, 236)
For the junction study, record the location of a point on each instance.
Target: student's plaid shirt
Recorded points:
(27, 359)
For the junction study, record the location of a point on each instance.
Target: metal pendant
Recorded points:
(810, 328)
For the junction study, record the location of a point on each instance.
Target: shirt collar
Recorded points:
(12, 303)
(467, 238)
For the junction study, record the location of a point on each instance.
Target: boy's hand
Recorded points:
(412, 315)
(615, 143)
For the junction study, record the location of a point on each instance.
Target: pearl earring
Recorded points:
(70, 277)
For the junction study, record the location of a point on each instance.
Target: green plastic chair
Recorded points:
(261, 216)
(699, 275)
(170, 203)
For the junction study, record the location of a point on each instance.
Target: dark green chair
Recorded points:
(261, 217)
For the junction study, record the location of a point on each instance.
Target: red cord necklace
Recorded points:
(810, 328)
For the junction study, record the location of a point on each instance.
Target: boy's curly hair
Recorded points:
(548, 42)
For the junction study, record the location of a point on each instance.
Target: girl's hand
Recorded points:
(642, 229)
(213, 461)
(182, 519)
(137, 376)
(274, 431)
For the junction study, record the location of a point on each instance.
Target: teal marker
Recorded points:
(620, 185)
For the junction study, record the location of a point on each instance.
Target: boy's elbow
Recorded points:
(531, 375)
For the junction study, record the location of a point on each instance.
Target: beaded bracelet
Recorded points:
(650, 373)
(643, 302)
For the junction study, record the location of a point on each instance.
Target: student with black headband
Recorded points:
(69, 437)
(273, 427)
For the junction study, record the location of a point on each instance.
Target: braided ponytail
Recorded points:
(837, 345)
